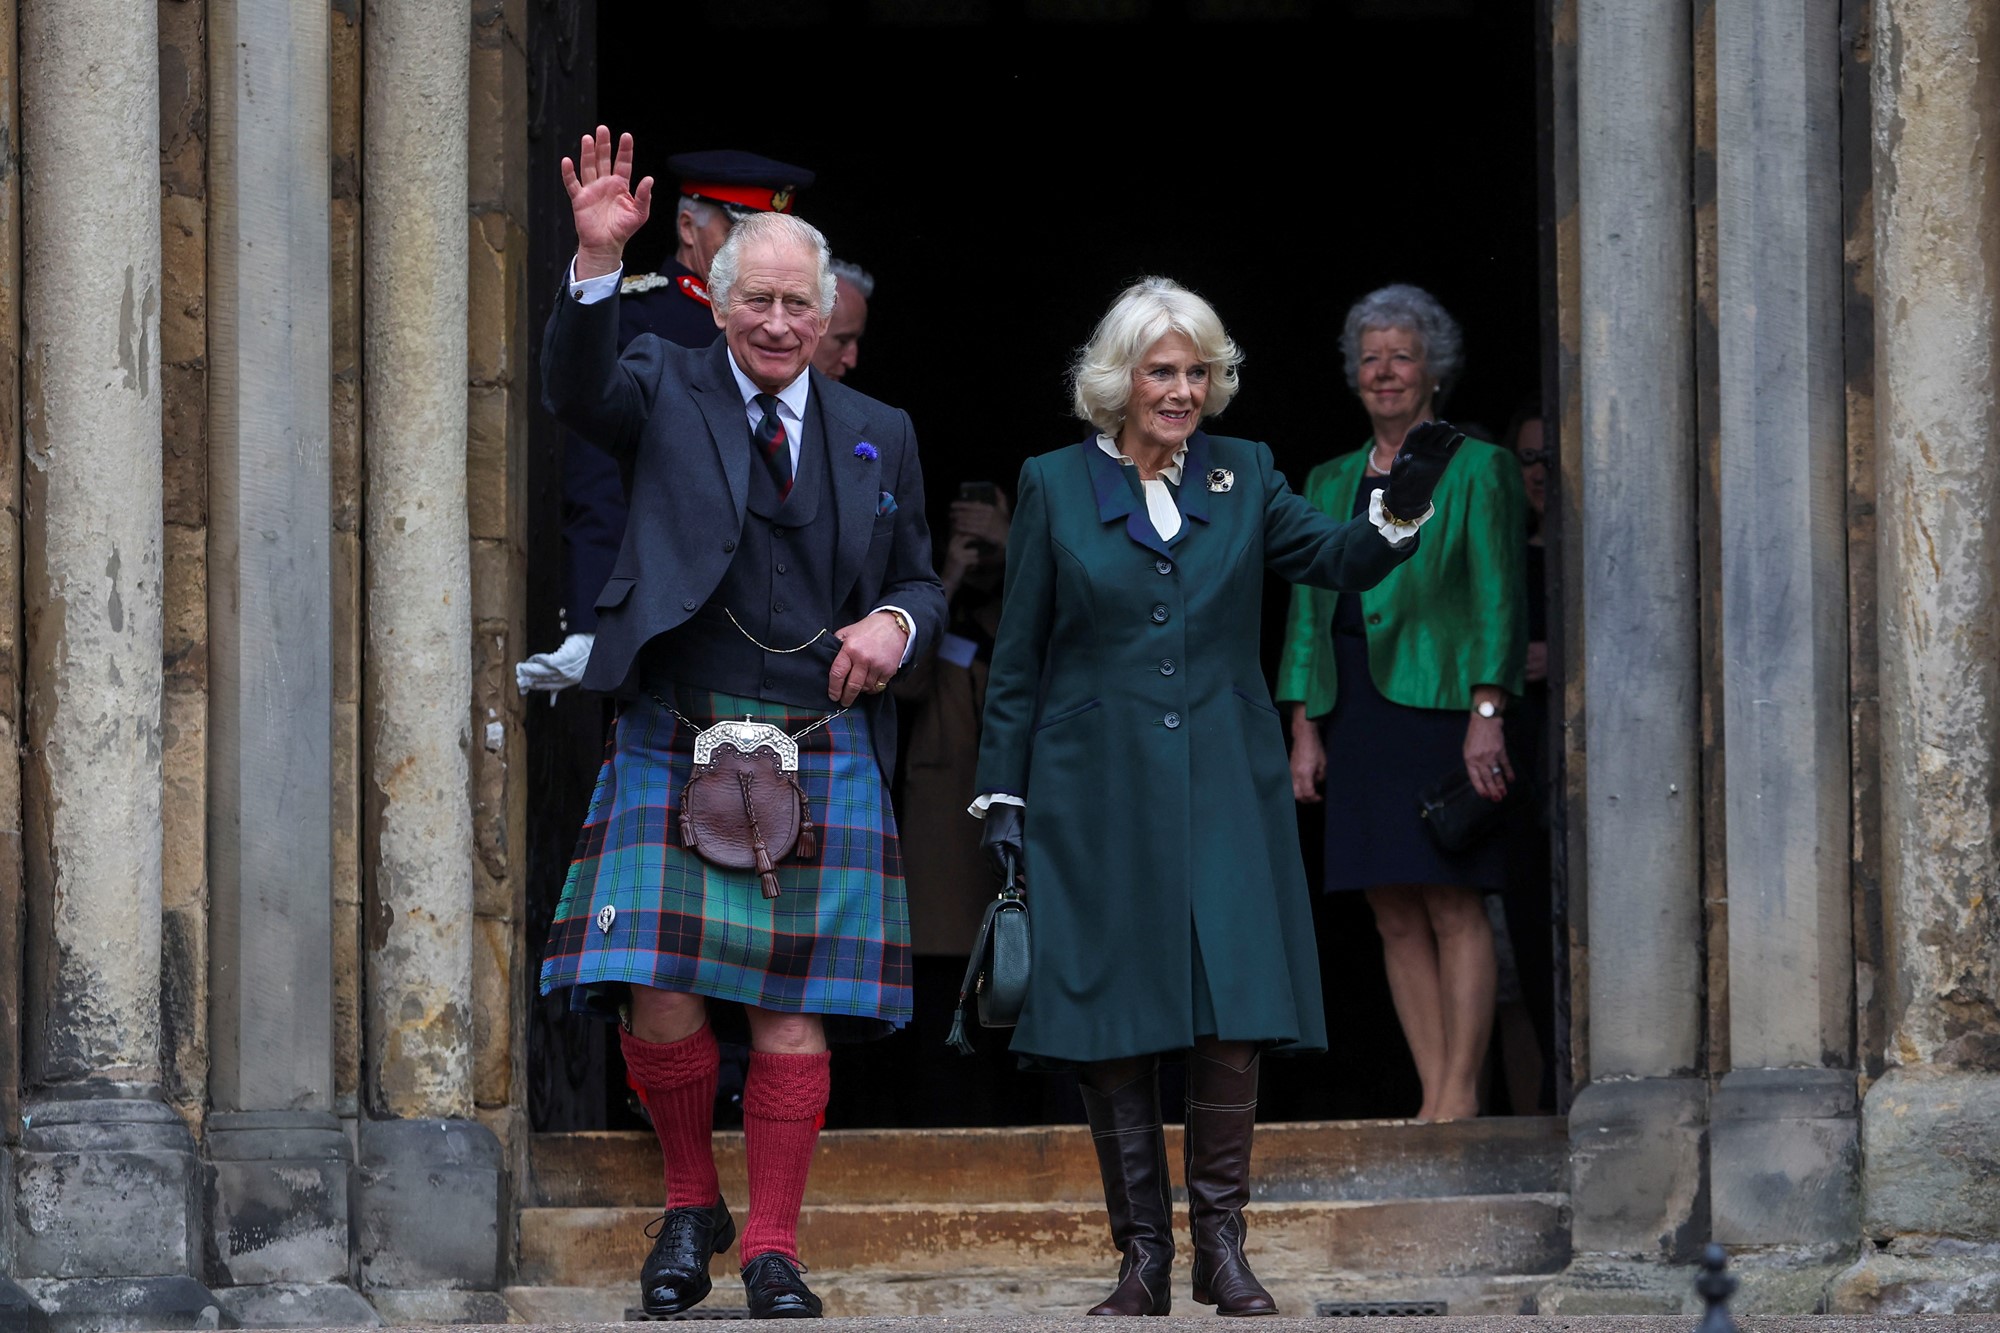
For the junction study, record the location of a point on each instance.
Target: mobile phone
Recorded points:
(979, 492)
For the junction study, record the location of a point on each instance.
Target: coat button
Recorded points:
(728, 546)
(1164, 565)
(1375, 619)
(1172, 720)
(1159, 613)
(770, 684)
(688, 605)
(781, 567)
(1166, 666)
(777, 608)
(777, 532)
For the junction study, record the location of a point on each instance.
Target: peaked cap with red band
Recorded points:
(739, 179)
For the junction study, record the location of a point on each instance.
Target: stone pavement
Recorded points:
(1469, 1324)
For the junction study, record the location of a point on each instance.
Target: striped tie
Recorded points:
(771, 441)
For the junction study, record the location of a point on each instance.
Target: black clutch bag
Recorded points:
(1458, 817)
(996, 976)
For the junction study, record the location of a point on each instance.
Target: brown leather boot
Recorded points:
(1131, 1148)
(1221, 1116)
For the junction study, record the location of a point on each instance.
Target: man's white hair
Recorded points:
(774, 228)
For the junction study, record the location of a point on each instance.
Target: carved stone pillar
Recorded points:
(418, 921)
(278, 1162)
(106, 1196)
(1785, 1134)
(1930, 1200)
(1638, 1128)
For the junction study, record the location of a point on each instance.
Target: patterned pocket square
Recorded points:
(885, 505)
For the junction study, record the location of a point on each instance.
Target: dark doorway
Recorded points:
(1003, 169)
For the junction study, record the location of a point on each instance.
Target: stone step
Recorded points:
(996, 1296)
(1443, 1237)
(1294, 1162)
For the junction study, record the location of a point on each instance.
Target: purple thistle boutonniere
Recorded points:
(865, 452)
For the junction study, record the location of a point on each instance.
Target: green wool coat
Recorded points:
(1127, 706)
(1454, 617)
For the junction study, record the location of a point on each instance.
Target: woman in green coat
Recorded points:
(1393, 689)
(1133, 765)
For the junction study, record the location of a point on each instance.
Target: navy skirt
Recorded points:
(1379, 756)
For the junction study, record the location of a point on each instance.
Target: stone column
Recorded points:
(1784, 1142)
(106, 1202)
(16, 1309)
(1930, 1198)
(1637, 1129)
(430, 1199)
(279, 1162)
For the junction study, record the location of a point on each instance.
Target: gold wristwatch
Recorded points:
(909, 626)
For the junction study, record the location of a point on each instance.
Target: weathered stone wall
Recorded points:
(1937, 260)
(1857, 57)
(1931, 1199)
(10, 575)
(184, 704)
(1565, 414)
(92, 548)
(416, 657)
(498, 398)
(345, 446)
(1708, 454)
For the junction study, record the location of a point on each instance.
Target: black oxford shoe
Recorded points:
(675, 1277)
(775, 1289)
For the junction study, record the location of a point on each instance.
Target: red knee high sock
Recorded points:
(678, 1080)
(784, 1105)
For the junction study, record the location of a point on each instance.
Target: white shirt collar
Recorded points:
(1171, 472)
(793, 395)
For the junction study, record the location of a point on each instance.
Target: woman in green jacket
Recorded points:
(1405, 683)
(1133, 764)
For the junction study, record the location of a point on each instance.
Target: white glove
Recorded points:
(557, 670)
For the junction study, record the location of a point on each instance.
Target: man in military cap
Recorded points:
(718, 187)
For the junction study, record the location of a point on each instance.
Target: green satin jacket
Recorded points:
(1452, 617)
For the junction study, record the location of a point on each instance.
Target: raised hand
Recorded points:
(1426, 453)
(601, 198)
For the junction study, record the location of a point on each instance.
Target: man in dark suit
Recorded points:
(776, 568)
(718, 188)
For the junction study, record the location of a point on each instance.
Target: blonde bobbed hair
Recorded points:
(1144, 313)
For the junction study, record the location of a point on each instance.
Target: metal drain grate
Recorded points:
(635, 1315)
(1375, 1309)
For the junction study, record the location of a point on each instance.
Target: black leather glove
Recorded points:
(1425, 454)
(1000, 840)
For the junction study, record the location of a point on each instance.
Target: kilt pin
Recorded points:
(638, 908)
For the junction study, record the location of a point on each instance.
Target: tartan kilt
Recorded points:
(836, 941)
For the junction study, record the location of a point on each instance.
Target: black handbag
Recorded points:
(1458, 817)
(997, 972)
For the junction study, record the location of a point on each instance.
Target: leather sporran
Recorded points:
(743, 807)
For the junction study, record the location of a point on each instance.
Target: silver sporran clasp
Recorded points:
(744, 737)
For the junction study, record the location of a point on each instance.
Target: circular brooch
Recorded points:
(1221, 479)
